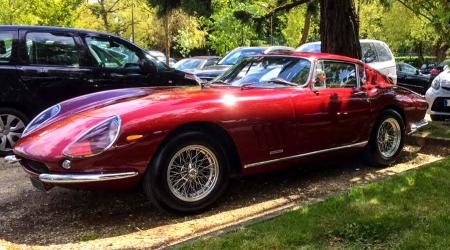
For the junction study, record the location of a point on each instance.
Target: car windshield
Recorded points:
(235, 56)
(311, 47)
(188, 64)
(269, 71)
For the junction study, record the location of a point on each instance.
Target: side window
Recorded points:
(210, 62)
(383, 53)
(331, 74)
(6, 40)
(408, 69)
(52, 49)
(112, 54)
(369, 54)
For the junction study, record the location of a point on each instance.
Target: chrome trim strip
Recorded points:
(11, 159)
(418, 125)
(84, 178)
(256, 164)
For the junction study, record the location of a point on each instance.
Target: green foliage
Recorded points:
(406, 211)
(226, 31)
(190, 37)
(16, 12)
(56, 12)
(292, 32)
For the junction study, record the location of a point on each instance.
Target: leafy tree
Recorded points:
(16, 12)
(106, 10)
(229, 26)
(437, 14)
(190, 36)
(302, 26)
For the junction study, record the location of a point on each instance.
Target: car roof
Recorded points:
(312, 55)
(203, 57)
(265, 48)
(56, 29)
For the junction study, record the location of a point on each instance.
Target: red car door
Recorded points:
(338, 108)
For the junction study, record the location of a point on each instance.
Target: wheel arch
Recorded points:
(216, 131)
(396, 108)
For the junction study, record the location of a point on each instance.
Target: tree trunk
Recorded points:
(419, 48)
(339, 28)
(305, 31)
(166, 36)
(104, 15)
(441, 50)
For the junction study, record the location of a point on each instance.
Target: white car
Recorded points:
(438, 96)
(375, 53)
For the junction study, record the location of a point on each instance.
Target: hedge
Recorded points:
(414, 60)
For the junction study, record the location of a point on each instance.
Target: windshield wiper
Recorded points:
(281, 81)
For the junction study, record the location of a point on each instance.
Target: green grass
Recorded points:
(406, 211)
(435, 129)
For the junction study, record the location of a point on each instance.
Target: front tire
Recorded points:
(12, 124)
(188, 174)
(387, 139)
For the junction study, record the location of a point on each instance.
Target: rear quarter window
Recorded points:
(6, 41)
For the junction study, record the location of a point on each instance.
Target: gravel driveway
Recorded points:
(71, 219)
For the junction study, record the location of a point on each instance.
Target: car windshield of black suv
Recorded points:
(235, 56)
(267, 72)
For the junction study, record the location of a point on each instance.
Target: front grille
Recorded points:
(35, 166)
(446, 88)
(439, 105)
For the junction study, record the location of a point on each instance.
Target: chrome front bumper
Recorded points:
(74, 178)
(84, 178)
(418, 125)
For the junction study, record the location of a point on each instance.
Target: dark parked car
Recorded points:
(195, 63)
(411, 78)
(41, 66)
(235, 56)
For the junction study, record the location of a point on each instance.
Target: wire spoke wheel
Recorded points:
(192, 173)
(11, 128)
(389, 137)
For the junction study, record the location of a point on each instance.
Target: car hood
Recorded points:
(134, 106)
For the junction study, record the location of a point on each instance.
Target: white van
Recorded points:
(375, 53)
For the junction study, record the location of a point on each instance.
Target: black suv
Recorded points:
(41, 66)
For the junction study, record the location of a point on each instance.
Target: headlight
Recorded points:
(42, 118)
(436, 84)
(96, 140)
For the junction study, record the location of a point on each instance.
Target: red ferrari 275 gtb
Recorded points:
(183, 144)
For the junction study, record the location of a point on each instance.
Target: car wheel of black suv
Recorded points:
(386, 140)
(12, 124)
(188, 174)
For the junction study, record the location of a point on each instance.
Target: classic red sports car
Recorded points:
(183, 144)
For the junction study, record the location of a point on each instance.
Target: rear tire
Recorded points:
(387, 139)
(188, 174)
(12, 124)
